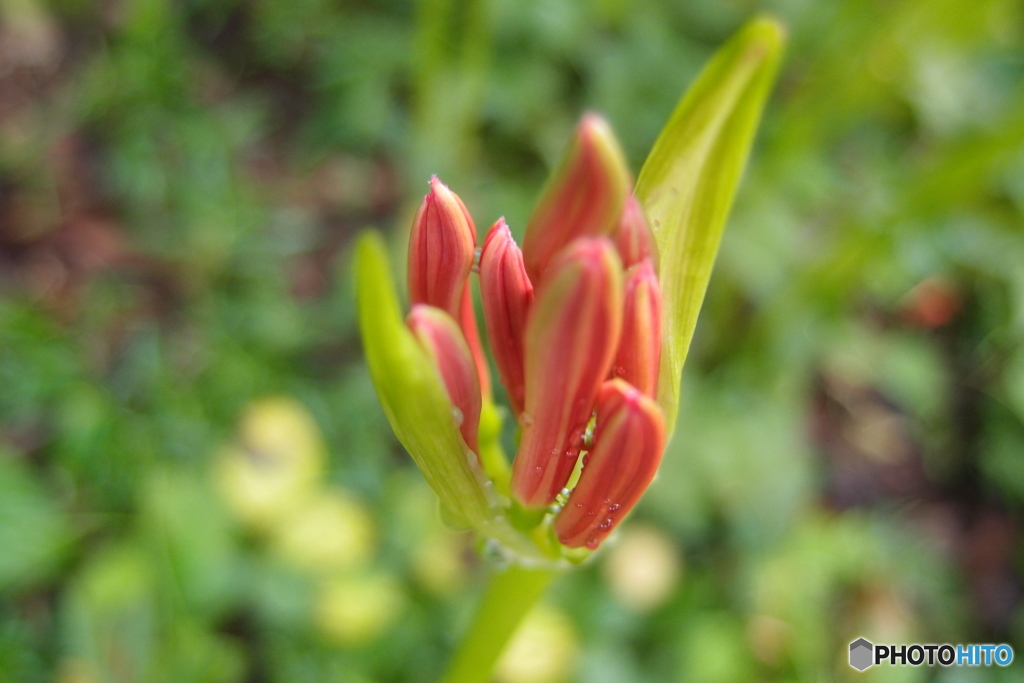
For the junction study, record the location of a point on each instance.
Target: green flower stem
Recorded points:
(510, 594)
(492, 456)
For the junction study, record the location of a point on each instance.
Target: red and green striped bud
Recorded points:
(633, 237)
(629, 437)
(571, 336)
(583, 326)
(442, 246)
(584, 197)
(441, 338)
(639, 354)
(507, 295)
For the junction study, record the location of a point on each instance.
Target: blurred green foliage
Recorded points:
(179, 186)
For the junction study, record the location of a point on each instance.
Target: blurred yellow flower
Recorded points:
(332, 532)
(643, 568)
(275, 465)
(355, 610)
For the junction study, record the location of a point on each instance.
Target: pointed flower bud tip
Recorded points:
(584, 197)
(629, 438)
(633, 236)
(571, 336)
(443, 341)
(507, 296)
(639, 354)
(441, 250)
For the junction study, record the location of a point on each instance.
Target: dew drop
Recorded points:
(613, 507)
(592, 543)
(526, 419)
(619, 371)
(476, 260)
(555, 451)
(538, 468)
(458, 416)
(579, 506)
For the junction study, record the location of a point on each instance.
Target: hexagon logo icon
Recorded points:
(860, 654)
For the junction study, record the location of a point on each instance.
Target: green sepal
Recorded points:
(412, 393)
(689, 180)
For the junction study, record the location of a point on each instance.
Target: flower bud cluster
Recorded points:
(573, 321)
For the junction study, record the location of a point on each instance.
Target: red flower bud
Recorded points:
(507, 295)
(583, 198)
(628, 442)
(639, 353)
(571, 336)
(443, 341)
(633, 237)
(467, 320)
(442, 246)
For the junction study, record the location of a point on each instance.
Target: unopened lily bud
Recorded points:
(442, 246)
(442, 339)
(637, 359)
(507, 296)
(633, 237)
(571, 336)
(467, 320)
(584, 197)
(629, 438)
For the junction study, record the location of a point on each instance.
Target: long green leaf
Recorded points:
(412, 393)
(689, 180)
